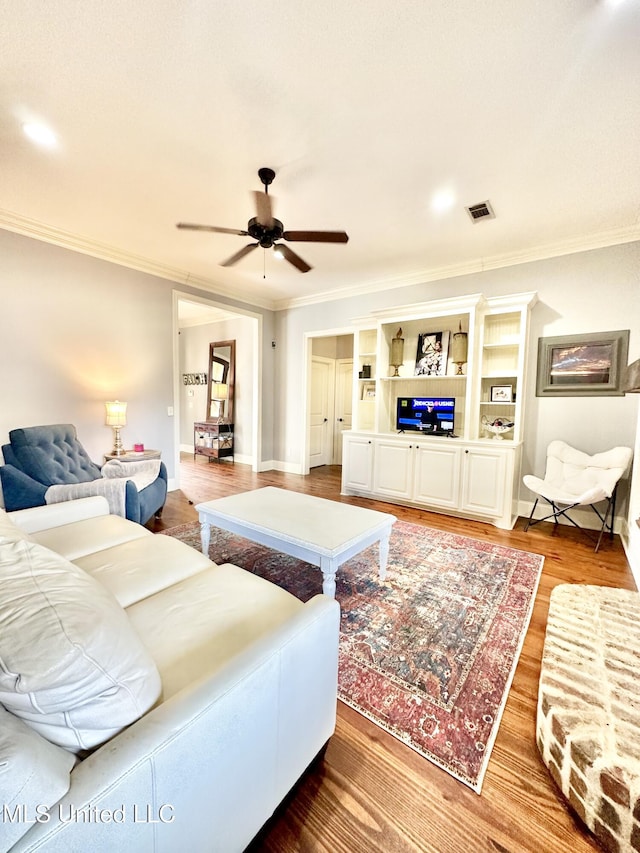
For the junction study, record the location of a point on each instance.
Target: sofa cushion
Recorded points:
(141, 567)
(195, 627)
(34, 774)
(90, 535)
(10, 532)
(71, 665)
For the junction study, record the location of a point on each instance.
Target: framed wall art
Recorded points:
(501, 393)
(432, 353)
(588, 365)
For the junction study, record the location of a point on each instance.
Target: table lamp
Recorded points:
(220, 392)
(116, 418)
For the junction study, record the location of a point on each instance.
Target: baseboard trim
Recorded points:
(277, 465)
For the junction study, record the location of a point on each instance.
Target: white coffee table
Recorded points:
(321, 532)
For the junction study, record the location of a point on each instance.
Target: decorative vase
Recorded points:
(498, 426)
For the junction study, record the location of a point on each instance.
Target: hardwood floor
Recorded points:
(373, 793)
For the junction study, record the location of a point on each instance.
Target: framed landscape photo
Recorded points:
(501, 393)
(589, 365)
(432, 353)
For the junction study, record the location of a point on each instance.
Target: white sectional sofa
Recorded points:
(151, 700)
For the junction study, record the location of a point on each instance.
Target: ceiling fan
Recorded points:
(267, 230)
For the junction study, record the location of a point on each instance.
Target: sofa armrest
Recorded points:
(38, 518)
(239, 738)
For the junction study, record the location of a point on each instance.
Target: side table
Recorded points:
(133, 455)
(213, 440)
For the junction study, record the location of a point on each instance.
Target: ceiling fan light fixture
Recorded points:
(277, 251)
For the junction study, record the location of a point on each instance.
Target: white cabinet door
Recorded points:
(393, 469)
(484, 486)
(437, 475)
(357, 463)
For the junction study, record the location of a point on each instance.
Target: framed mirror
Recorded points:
(222, 374)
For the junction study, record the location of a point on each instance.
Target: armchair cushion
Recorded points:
(52, 455)
(72, 666)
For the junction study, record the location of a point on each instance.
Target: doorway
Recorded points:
(329, 397)
(197, 322)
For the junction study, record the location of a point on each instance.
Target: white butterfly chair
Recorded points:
(573, 478)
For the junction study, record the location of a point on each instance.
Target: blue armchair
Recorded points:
(42, 456)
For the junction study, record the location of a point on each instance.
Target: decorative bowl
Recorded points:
(497, 426)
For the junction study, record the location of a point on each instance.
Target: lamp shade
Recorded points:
(459, 348)
(220, 391)
(397, 349)
(116, 413)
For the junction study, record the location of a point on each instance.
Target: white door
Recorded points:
(343, 405)
(321, 411)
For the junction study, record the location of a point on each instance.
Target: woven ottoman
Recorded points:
(588, 720)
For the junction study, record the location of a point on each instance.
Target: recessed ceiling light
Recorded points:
(443, 200)
(40, 134)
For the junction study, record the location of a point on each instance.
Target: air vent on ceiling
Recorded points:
(480, 211)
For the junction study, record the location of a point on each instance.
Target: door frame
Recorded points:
(307, 350)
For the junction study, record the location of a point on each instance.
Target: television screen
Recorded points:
(425, 414)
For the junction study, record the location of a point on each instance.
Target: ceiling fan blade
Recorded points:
(264, 209)
(294, 259)
(317, 236)
(239, 255)
(213, 228)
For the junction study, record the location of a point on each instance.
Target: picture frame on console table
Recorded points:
(588, 365)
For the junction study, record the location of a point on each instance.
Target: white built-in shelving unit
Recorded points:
(475, 473)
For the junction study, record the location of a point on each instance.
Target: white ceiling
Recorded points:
(165, 110)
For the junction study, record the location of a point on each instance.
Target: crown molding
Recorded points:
(601, 240)
(77, 243)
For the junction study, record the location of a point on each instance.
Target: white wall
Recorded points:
(590, 291)
(76, 331)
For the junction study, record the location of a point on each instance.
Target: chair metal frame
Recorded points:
(562, 511)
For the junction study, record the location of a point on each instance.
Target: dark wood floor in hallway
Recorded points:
(373, 793)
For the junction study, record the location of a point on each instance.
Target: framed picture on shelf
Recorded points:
(501, 393)
(368, 391)
(587, 365)
(431, 356)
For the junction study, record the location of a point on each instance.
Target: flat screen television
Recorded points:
(429, 415)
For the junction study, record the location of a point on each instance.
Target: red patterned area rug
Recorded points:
(428, 655)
